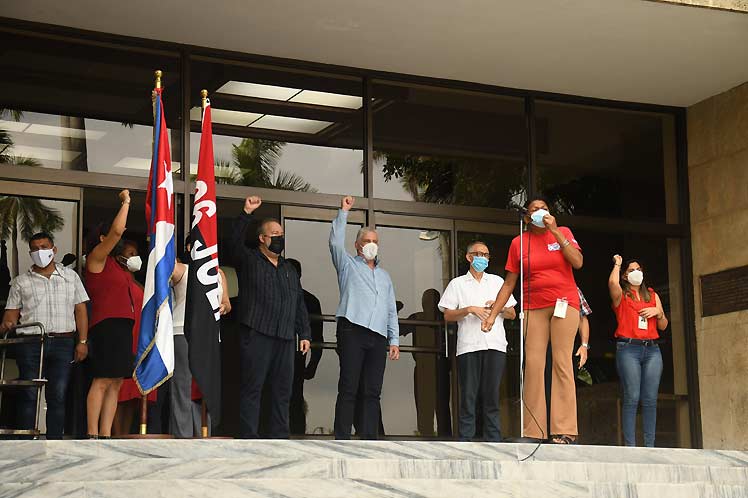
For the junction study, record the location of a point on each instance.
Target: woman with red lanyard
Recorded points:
(638, 359)
(552, 313)
(109, 281)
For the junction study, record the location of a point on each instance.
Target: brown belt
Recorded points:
(61, 334)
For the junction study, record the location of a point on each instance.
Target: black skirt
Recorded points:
(110, 353)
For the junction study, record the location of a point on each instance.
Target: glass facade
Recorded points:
(433, 164)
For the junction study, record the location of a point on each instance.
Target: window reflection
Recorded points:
(418, 262)
(83, 144)
(67, 105)
(315, 392)
(281, 129)
(604, 162)
(448, 147)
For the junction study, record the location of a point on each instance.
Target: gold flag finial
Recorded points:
(158, 75)
(204, 96)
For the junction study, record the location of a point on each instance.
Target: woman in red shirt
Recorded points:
(638, 359)
(550, 255)
(112, 288)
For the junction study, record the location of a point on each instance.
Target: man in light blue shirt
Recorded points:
(367, 324)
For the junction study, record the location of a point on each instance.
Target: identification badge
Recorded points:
(642, 323)
(561, 307)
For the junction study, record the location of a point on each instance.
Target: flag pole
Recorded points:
(144, 398)
(204, 405)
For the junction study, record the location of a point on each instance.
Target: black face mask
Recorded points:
(277, 244)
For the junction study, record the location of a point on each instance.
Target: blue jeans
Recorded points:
(639, 368)
(58, 353)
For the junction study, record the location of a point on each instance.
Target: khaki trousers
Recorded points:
(542, 325)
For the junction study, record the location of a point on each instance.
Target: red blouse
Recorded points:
(627, 315)
(548, 274)
(113, 293)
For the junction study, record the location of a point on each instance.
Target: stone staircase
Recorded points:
(344, 469)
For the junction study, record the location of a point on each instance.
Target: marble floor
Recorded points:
(331, 469)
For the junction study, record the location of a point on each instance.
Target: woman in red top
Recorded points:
(638, 359)
(109, 281)
(129, 394)
(550, 255)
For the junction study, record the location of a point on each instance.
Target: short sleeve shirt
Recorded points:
(464, 291)
(547, 275)
(50, 301)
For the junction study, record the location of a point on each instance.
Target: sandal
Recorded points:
(563, 439)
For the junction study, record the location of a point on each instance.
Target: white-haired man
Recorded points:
(481, 356)
(366, 325)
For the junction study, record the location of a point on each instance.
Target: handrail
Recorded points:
(402, 321)
(26, 326)
(42, 335)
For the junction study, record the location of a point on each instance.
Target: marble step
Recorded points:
(383, 450)
(380, 488)
(81, 469)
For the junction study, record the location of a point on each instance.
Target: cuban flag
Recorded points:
(154, 363)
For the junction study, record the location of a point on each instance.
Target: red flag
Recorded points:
(201, 321)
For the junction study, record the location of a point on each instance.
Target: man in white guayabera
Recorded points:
(481, 356)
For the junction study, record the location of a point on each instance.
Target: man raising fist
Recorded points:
(367, 329)
(272, 314)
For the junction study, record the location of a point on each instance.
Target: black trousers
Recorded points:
(362, 354)
(480, 372)
(265, 359)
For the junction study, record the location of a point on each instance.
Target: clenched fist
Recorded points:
(124, 196)
(617, 260)
(346, 203)
(251, 203)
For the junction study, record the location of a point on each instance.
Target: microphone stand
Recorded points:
(522, 438)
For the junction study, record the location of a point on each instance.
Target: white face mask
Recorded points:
(134, 263)
(636, 277)
(370, 251)
(42, 257)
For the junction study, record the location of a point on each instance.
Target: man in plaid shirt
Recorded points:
(584, 328)
(53, 295)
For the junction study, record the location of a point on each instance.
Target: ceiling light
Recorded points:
(223, 116)
(328, 99)
(257, 90)
(44, 153)
(62, 131)
(428, 235)
(296, 125)
(13, 126)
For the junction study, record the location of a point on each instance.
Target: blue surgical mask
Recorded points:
(479, 263)
(537, 218)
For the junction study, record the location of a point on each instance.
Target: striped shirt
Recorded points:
(584, 306)
(271, 300)
(50, 301)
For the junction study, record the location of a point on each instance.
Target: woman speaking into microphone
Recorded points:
(550, 255)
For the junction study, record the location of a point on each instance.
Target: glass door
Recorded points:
(315, 391)
(418, 393)
(25, 209)
(497, 237)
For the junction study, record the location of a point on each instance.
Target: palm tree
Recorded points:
(255, 163)
(25, 215)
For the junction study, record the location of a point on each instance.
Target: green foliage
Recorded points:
(26, 216)
(255, 163)
(452, 180)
